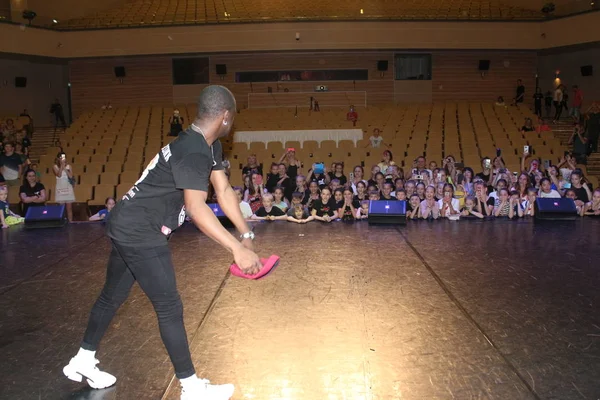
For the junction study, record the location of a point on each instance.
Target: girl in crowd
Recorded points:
(379, 181)
(322, 179)
(324, 209)
(528, 205)
(528, 126)
(313, 194)
(468, 176)
(413, 207)
(361, 191)
(7, 217)
(338, 197)
(419, 190)
(386, 161)
(410, 187)
(469, 210)
(592, 208)
(279, 200)
(363, 211)
(359, 174)
(101, 215)
(252, 166)
(268, 212)
(439, 190)
(301, 187)
(294, 166)
(580, 187)
(448, 205)
(338, 173)
(244, 206)
(347, 210)
(32, 193)
(64, 184)
(298, 214)
(253, 194)
(429, 207)
(522, 185)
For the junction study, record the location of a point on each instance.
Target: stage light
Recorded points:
(361, 11)
(54, 21)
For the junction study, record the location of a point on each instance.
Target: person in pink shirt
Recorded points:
(575, 111)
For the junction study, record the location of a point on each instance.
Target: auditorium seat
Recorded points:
(101, 192)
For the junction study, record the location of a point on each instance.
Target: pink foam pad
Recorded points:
(267, 265)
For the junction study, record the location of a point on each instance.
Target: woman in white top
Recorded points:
(64, 193)
(244, 207)
(358, 176)
(448, 205)
(386, 161)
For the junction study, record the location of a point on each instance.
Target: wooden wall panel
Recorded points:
(93, 82)
(455, 75)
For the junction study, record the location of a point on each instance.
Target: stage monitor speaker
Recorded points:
(587, 70)
(563, 209)
(216, 208)
(382, 65)
(221, 69)
(120, 72)
(484, 65)
(386, 212)
(20, 81)
(45, 217)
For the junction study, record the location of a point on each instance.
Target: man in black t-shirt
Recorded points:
(175, 182)
(59, 115)
(520, 96)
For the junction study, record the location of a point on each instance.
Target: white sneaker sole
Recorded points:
(74, 375)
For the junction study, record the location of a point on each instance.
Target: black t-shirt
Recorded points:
(343, 180)
(483, 176)
(154, 207)
(56, 109)
(346, 213)
(538, 97)
(274, 212)
(381, 197)
(320, 179)
(581, 194)
(324, 209)
(527, 128)
(2, 180)
(520, 92)
(31, 192)
(272, 180)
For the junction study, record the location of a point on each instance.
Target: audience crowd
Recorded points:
(431, 191)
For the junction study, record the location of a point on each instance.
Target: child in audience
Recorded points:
(515, 203)
(363, 211)
(347, 210)
(268, 211)
(324, 209)
(469, 210)
(410, 187)
(592, 209)
(572, 194)
(7, 217)
(376, 140)
(338, 197)
(528, 205)
(298, 214)
(420, 190)
(386, 192)
(279, 200)
(546, 190)
(448, 205)
(101, 215)
(361, 191)
(244, 207)
(374, 195)
(413, 207)
(401, 194)
(253, 194)
(313, 194)
(429, 207)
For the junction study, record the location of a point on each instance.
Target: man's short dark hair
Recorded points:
(214, 100)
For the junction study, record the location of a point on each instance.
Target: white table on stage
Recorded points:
(298, 135)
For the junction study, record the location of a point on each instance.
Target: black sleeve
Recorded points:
(39, 187)
(218, 155)
(490, 201)
(261, 212)
(276, 212)
(192, 171)
(22, 189)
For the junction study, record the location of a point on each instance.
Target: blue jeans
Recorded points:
(153, 269)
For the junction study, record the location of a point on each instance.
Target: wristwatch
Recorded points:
(248, 235)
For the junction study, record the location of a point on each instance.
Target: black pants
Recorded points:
(152, 268)
(558, 107)
(538, 109)
(59, 118)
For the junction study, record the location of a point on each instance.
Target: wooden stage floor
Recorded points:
(442, 310)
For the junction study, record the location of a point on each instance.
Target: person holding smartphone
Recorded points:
(294, 166)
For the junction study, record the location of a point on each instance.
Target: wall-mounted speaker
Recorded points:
(221, 69)
(120, 72)
(587, 70)
(382, 65)
(20, 81)
(484, 65)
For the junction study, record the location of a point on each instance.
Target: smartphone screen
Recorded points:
(526, 149)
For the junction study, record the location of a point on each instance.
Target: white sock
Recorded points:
(87, 355)
(187, 382)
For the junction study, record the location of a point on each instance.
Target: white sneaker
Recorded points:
(203, 390)
(79, 368)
